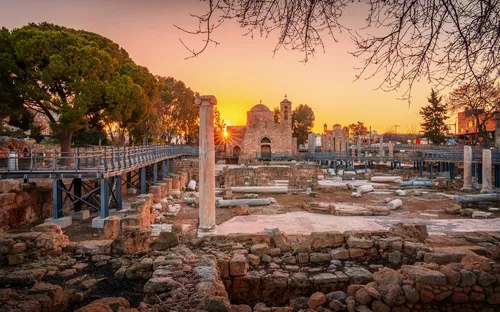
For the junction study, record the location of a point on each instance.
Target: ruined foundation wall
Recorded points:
(22, 203)
(298, 175)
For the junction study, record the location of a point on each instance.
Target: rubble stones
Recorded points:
(358, 275)
(316, 300)
(24, 277)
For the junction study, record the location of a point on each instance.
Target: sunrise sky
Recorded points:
(240, 71)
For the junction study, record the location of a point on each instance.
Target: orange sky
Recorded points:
(240, 71)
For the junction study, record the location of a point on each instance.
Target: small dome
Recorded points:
(260, 108)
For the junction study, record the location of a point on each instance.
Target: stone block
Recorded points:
(424, 276)
(363, 243)
(238, 265)
(320, 240)
(98, 222)
(111, 228)
(319, 257)
(339, 254)
(79, 215)
(260, 249)
(63, 222)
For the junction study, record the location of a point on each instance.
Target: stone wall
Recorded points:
(22, 203)
(360, 271)
(190, 166)
(298, 175)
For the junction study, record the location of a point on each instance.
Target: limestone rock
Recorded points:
(410, 230)
(24, 277)
(238, 265)
(362, 296)
(160, 285)
(242, 210)
(365, 189)
(387, 276)
(363, 243)
(260, 249)
(394, 204)
(95, 307)
(424, 275)
(115, 303)
(339, 254)
(316, 300)
(358, 275)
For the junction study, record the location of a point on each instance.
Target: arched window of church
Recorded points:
(285, 114)
(265, 140)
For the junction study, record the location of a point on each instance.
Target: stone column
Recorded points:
(206, 165)
(467, 168)
(487, 185)
(382, 152)
(391, 149)
(359, 146)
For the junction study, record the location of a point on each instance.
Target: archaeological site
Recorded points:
(170, 228)
(249, 156)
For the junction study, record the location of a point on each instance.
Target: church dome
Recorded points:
(260, 108)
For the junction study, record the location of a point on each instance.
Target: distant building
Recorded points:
(334, 140)
(261, 136)
(468, 128)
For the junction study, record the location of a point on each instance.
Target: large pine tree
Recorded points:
(434, 116)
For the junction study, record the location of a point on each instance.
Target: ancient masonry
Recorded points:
(262, 136)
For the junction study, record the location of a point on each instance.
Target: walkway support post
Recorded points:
(77, 186)
(206, 165)
(104, 198)
(467, 168)
(143, 180)
(487, 181)
(155, 173)
(118, 193)
(57, 198)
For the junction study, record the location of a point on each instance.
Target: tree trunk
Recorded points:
(66, 136)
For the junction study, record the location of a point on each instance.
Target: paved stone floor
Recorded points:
(305, 223)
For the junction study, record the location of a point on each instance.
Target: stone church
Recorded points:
(262, 137)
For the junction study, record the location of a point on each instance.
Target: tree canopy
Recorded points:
(434, 117)
(302, 122)
(77, 79)
(446, 42)
(357, 129)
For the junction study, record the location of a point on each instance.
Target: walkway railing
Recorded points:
(101, 159)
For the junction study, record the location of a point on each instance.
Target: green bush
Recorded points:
(90, 137)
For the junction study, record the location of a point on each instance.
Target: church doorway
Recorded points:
(265, 148)
(236, 151)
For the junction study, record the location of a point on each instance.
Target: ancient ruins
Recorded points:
(156, 229)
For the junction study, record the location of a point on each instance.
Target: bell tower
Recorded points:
(286, 112)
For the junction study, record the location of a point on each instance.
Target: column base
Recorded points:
(81, 215)
(486, 191)
(203, 232)
(467, 188)
(98, 223)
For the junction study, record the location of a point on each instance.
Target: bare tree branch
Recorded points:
(446, 42)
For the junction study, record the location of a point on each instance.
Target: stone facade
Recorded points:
(262, 136)
(334, 140)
